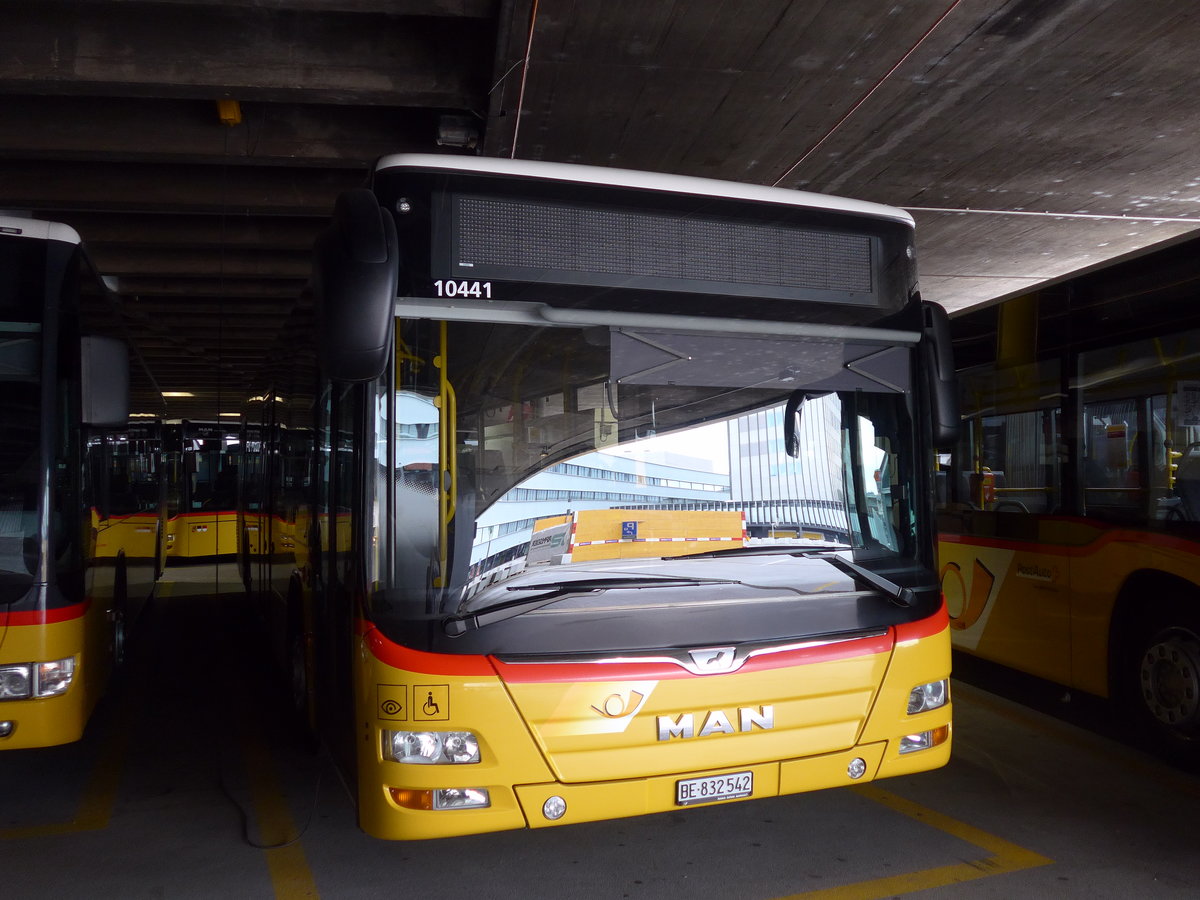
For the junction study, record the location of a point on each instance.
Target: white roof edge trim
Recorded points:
(40, 229)
(654, 181)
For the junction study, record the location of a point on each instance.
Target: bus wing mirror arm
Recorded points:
(941, 381)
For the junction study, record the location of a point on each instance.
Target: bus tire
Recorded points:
(120, 615)
(1161, 681)
(299, 681)
(297, 674)
(245, 563)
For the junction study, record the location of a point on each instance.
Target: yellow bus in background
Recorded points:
(201, 460)
(81, 531)
(1070, 513)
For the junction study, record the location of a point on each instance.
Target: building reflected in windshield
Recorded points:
(735, 466)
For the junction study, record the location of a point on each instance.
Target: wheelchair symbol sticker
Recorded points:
(431, 702)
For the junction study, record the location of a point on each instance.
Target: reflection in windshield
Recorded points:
(595, 450)
(715, 487)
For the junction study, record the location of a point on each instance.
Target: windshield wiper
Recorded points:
(760, 550)
(903, 596)
(556, 590)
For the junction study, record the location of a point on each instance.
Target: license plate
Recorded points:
(712, 788)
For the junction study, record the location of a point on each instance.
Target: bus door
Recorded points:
(1139, 476)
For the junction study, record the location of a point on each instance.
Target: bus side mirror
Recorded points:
(356, 267)
(793, 412)
(941, 381)
(104, 372)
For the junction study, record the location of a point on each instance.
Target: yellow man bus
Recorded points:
(80, 512)
(482, 322)
(1070, 524)
(201, 461)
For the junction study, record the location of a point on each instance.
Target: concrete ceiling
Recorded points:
(1029, 138)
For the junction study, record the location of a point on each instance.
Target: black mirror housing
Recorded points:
(356, 268)
(941, 381)
(104, 375)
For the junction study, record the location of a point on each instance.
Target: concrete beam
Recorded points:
(465, 9)
(966, 259)
(185, 130)
(244, 53)
(232, 290)
(52, 187)
(513, 25)
(196, 231)
(195, 263)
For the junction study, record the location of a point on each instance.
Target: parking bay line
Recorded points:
(1005, 856)
(100, 793)
(291, 877)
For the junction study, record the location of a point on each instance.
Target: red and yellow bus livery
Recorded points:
(496, 346)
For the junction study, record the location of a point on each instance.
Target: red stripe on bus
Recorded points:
(46, 616)
(924, 628)
(419, 661)
(399, 657)
(539, 673)
(1117, 536)
(126, 517)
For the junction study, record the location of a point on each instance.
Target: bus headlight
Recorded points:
(931, 695)
(47, 679)
(431, 748)
(442, 798)
(911, 743)
(16, 682)
(53, 678)
(461, 798)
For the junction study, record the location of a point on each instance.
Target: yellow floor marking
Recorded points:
(1005, 856)
(290, 874)
(96, 803)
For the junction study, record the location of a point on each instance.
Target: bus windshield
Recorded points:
(524, 456)
(20, 421)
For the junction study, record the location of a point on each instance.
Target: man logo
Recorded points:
(716, 722)
(713, 660)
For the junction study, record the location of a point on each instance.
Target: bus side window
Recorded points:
(1187, 487)
(1008, 457)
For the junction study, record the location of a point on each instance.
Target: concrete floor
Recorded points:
(182, 779)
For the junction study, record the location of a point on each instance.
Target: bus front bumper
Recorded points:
(555, 803)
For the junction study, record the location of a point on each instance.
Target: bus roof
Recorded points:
(654, 181)
(40, 229)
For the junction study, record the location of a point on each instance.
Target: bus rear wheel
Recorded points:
(1169, 680)
(1161, 684)
(119, 635)
(298, 675)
